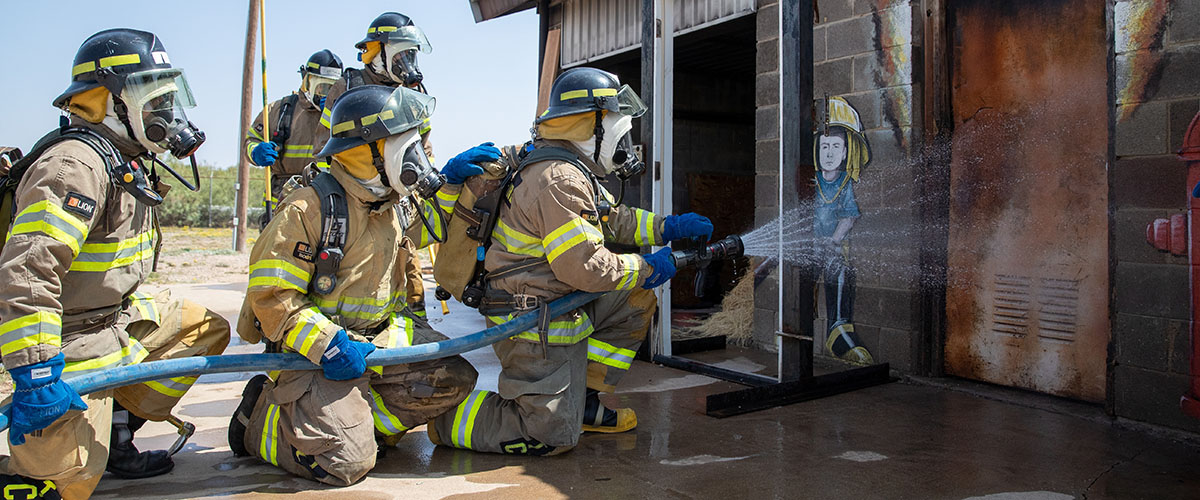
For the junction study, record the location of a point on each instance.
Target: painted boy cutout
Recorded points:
(840, 151)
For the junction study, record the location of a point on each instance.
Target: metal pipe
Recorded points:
(233, 363)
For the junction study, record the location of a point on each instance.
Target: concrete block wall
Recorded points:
(862, 51)
(1157, 87)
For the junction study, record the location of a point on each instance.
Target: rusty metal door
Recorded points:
(1027, 291)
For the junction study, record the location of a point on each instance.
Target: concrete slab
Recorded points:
(893, 441)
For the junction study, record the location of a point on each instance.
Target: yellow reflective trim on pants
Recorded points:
(610, 355)
(279, 273)
(464, 419)
(145, 305)
(103, 257)
(568, 235)
(309, 326)
(630, 271)
(131, 354)
(268, 447)
(385, 422)
(51, 220)
(42, 327)
(560, 332)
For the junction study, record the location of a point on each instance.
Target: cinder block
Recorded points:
(1180, 115)
(851, 37)
(869, 6)
(764, 329)
(867, 105)
(1151, 396)
(766, 57)
(766, 157)
(819, 46)
(895, 348)
(766, 191)
(1142, 341)
(766, 294)
(766, 89)
(866, 72)
(896, 105)
(885, 148)
(766, 123)
(1184, 22)
(884, 307)
(767, 22)
(1152, 290)
(1144, 132)
(1178, 75)
(835, 10)
(834, 77)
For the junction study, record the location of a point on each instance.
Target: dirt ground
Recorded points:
(200, 255)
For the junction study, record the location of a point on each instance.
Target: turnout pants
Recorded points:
(326, 430)
(73, 451)
(538, 409)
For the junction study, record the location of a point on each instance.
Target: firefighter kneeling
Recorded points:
(549, 241)
(327, 281)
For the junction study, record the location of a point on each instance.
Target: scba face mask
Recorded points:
(618, 156)
(402, 64)
(407, 166)
(317, 86)
(155, 101)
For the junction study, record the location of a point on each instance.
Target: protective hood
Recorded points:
(616, 126)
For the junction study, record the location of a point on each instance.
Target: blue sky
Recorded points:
(483, 75)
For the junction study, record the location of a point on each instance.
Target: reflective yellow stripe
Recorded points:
(298, 151)
(367, 308)
(604, 92)
(42, 327)
(279, 273)
(131, 354)
(267, 448)
(250, 149)
(464, 419)
(342, 127)
(447, 201)
(102, 257)
(426, 127)
(314, 65)
(430, 215)
(325, 116)
(145, 305)
(309, 325)
(174, 387)
(254, 134)
(611, 355)
(385, 422)
(574, 94)
(560, 332)
(645, 228)
(630, 269)
(51, 220)
(106, 62)
(397, 338)
(382, 29)
(568, 235)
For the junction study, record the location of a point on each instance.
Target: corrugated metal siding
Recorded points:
(594, 29)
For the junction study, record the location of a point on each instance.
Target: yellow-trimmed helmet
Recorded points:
(840, 113)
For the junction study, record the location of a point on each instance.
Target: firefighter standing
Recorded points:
(549, 242)
(295, 124)
(389, 56)
(82, 243)
(324, 425)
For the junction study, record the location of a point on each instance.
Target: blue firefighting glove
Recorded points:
(664, 267)
(1196, 191)
(688, 225)
(41, 398)
(465, 164)
(264, 154)
(345, 359)
(321, 102)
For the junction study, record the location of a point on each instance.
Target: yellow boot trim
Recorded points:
(626, 421)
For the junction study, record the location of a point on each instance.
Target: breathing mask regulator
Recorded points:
(407, 166)
(151, 106)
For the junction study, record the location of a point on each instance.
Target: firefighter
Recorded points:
(549, 242)
(389, 56)
(323, 425)
(295, 124)
(82, 243)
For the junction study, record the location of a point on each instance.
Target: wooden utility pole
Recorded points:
(243, 187)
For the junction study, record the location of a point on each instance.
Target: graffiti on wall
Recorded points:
(1139, 29)
(893, 48)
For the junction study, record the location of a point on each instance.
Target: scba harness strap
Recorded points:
(282, 131)
(335, 217)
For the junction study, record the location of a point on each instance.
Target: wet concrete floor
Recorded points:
(893, 441)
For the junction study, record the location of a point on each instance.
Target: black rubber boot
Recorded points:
(23, 488)
(241, 417)
(124, 459)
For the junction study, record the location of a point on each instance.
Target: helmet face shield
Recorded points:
(156, 100)
(158, 89)
(363, 115)
(628, 102)
(406, 109)
(317, 85)
(405, 37)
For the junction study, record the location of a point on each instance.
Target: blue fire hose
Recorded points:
(232, 363)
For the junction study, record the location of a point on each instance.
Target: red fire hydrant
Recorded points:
(1181, 236)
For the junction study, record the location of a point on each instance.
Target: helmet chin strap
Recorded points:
(123, 115)
(377, 160)
(599, 133)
